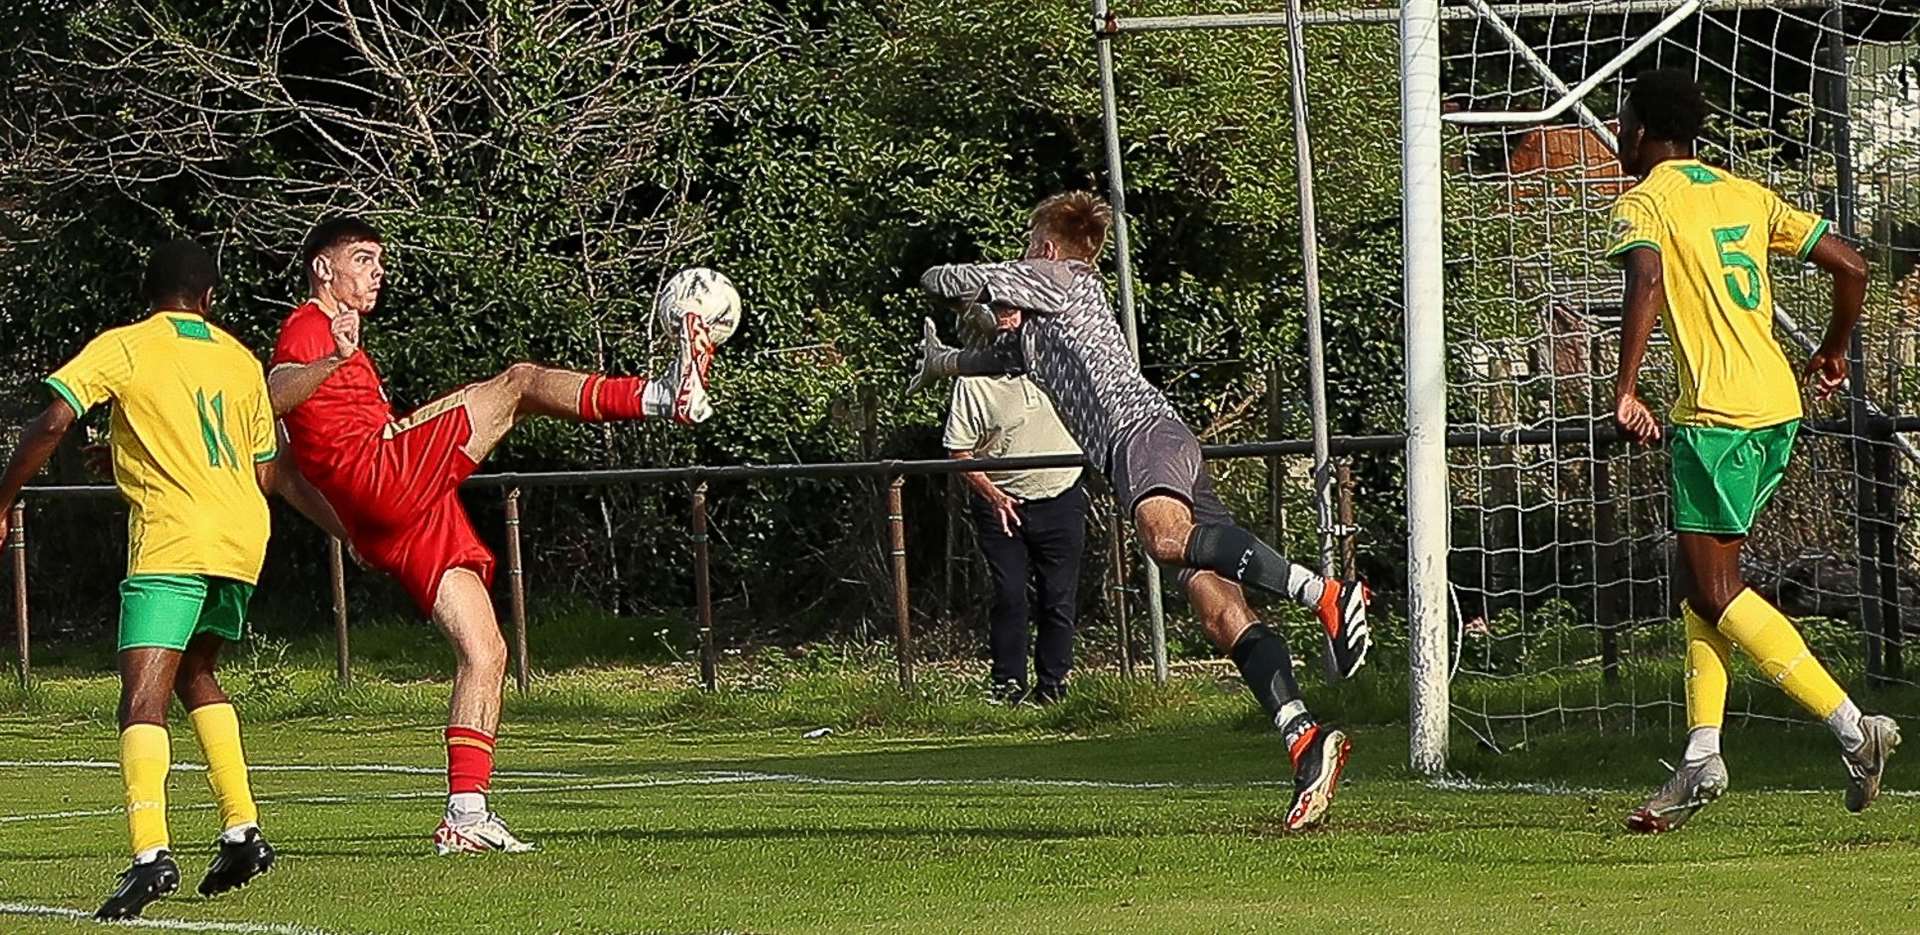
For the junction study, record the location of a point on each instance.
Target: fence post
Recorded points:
(1606, 561)
(952, 483)
(1347, 528)
(517, 589)
(17, 544)
(903, 624)
(1117, 588)
(337, 579)
(703, 590)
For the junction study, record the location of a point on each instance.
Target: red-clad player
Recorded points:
(393, 479)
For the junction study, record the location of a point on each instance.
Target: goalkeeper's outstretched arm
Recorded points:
(1021, 283)
(1005, 356)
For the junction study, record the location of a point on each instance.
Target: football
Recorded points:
(705, 294)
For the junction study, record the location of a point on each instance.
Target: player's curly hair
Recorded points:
(334, 232)
(178, 273)
(1076, 221)
(1669, 104)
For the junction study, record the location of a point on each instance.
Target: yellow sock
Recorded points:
(218, 728)
(144, 754)
(1767, 636)
(1707, 652)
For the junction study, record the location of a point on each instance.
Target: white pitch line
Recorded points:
(702, 779)
(174, 925)
(1015, 782)
(738, 778)
(291, 768)
(77, 813)
(1549, 788)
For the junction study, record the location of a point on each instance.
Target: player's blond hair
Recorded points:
(1076, 222)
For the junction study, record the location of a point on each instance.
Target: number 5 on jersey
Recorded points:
(213, 429)
(1734, 260)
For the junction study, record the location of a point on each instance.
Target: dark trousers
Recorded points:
(1044, 553)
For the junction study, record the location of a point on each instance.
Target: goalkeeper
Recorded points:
(1694, 240)
(1056, 327)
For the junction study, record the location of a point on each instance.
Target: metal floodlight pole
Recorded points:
(1123, 267)
(1310, 270)
(1421, 170)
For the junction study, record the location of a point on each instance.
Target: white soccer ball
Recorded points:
(704, 294)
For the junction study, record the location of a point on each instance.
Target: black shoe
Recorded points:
(1343, 614)
(1048, 694)
(237, 863)
(1317, 766)
(1010, 693)
(141, 884)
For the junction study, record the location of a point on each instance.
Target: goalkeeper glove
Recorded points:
(936, 359)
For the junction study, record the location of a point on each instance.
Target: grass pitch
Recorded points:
(1161, 829)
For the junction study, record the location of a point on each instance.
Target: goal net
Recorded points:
(1564, 576)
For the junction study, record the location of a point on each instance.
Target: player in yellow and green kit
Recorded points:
(1695, 242)
(193, 442)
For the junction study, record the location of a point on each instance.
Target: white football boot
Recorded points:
(1865, 765)
(475, 833)
(1688, 790)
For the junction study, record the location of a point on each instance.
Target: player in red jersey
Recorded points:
(394, 479)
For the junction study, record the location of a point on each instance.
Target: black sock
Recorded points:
(1234, 554)
(1267, 668)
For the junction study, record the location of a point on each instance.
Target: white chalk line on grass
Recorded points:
(292, 768)
(712, 778)
(173, 925)
(737, 778)
(1454, 784)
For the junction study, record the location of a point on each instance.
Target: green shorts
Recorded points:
(169, 610)
(1723, 477)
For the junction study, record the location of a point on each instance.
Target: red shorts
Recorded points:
(405, 512)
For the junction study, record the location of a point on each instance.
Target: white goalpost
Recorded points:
(1424, 298)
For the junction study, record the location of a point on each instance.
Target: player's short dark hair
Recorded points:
(334, 232)
(1076, 221)
(178, 273)
(1669, 104)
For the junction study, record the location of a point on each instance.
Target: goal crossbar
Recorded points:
(1387, 16)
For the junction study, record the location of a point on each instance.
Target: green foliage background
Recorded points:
(821, 154)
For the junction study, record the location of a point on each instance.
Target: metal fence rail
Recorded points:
(892, 472)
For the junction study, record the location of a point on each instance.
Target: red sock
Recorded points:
(469, 760)
(612, 399)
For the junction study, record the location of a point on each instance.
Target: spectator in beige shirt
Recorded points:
(1032, 527)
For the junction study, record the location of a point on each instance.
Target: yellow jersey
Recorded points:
(1713, 232)
(190, 421)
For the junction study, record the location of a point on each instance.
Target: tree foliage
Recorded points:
(541, 165)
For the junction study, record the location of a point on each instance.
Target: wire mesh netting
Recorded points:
(1565, 576)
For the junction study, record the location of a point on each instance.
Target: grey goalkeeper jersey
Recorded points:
(1069, 344)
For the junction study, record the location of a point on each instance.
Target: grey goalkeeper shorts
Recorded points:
(1161, 457)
